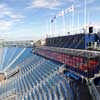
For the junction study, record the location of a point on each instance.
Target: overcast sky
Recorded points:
(30, 19)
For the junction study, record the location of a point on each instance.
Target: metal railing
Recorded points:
(76, 52)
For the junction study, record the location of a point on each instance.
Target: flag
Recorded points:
(54, 17)
(61, 13)
(52, 20)
(71, 9)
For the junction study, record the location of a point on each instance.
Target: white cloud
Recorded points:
(5, 25)
(97, 8)
(90, 1)
(17, 17)
(71, 0)
(8, 18)
(50, 4)
(6, 11)
(53, 4)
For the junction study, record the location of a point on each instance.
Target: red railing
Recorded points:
(73, 61)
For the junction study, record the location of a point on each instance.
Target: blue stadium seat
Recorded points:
(37, 79)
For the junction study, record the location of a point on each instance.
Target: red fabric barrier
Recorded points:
(76, 62)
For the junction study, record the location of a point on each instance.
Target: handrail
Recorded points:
(77, 52)
(93, 91)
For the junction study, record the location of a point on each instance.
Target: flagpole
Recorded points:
(85, 14)
(62, 13)
(55, 27)
(63, 18)
(85, 18)
(73, 19)
(78, 22)
(50, 26)
(67, 23)
(72, 23)
(52, 29)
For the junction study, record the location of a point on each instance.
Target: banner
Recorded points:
(52, 20)
(63, 12)
(71, 9)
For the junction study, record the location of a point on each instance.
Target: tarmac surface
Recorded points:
(80, 90)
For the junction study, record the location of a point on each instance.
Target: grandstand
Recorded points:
(36, 78)
(77, 41)
(27, 74)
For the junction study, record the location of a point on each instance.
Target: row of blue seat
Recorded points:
(37, 79)
(9, 54)
(13, 54)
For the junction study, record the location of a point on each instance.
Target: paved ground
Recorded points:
(80, 91)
